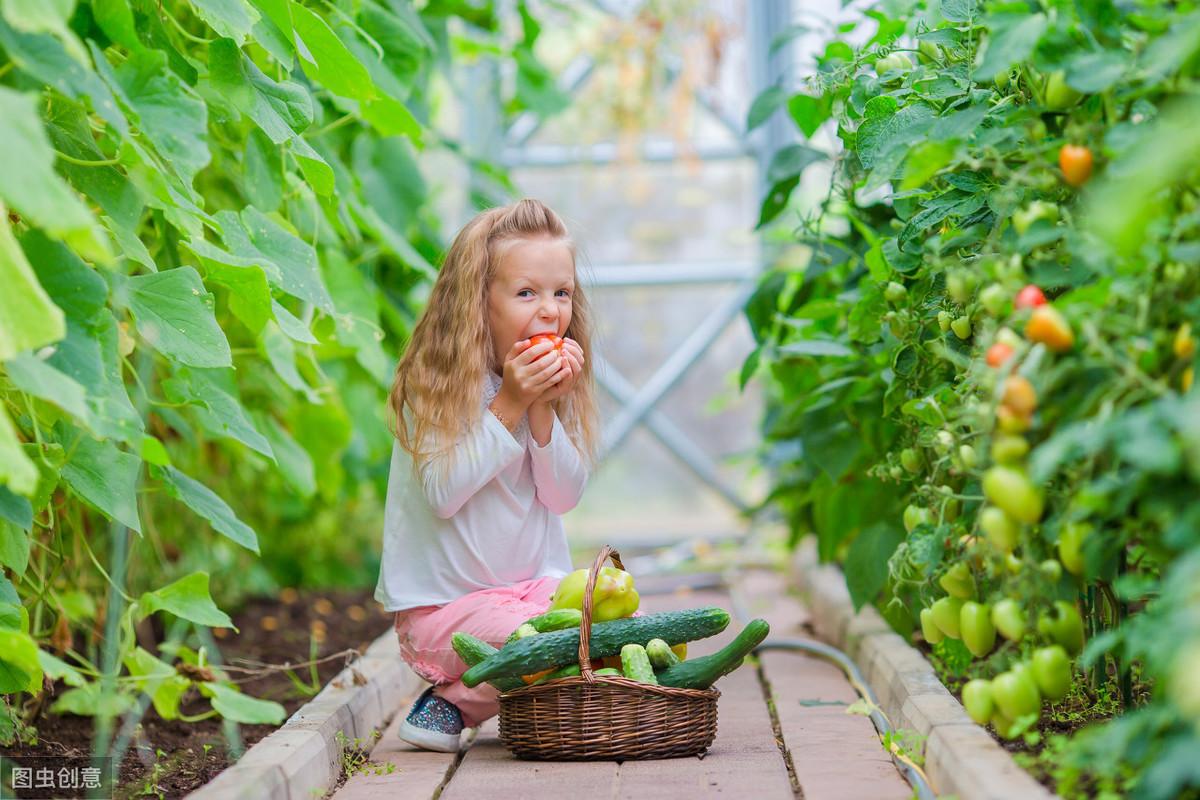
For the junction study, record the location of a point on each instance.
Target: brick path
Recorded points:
(835, 755)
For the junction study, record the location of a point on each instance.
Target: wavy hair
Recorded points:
(436, 393)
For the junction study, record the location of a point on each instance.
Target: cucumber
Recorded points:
(554, 620)
(536, 653)
(700, 673)
(525, 629)
(661, 654)
(473, 650)
(609, 671)
(635, 664)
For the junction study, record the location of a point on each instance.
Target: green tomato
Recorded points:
(1016, 695)
(946, 615)
(1057, 94)
(977, 698)
(1052, 672)
(1004, 726)
(1012, 491)
(944, 319)
(1001, 80)
(943, 441)
(1013, 564)
(1064, 626)
(978, 632)
(1070, 546)
(961, 327)
(916, 515)
(1009, 448)
(966, 454)
(929, 629)
(896, 472)
(958, 581)
(1009, 619)
(994, 299)
(958, 286)
(1001, 531)
(1023, 218)
(928, 51)
(1051, 569)
(1183, 682)
(895, 293)
(910, 459)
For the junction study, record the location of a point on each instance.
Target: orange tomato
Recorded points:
(1048, 326)
(998, 353)
(1076, 164)
(1019, 395)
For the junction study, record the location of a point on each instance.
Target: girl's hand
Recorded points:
(572, 369)
(529, 371)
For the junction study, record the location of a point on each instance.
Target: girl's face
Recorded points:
(531, 293)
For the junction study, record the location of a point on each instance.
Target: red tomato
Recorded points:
(540, 337)
(1030, 297)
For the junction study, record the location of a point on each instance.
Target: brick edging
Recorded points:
(961, 758)
(303, 757)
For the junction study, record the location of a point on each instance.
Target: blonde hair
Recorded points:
(439, 380)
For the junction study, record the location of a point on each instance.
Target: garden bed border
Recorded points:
(961, 758)
(304, 756)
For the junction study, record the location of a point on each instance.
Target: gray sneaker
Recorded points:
(432, 724)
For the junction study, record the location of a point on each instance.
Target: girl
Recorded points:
(495, 439)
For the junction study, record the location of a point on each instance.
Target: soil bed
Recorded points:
(273, 631)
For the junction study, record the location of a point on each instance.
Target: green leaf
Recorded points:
(323, 57)
(809, 112)
(157, 679)
(232, 19)
(15, 509)
(791, 161)
(14, 548)
(28, 317)
(959, 10)
(105, 477)
(766, 104)
(249, 295)
(17, 472)
(57, 669)
(169, 112)
(219, 411)
(90, 358)
(815, 347)
(115, 18)
(208, 504)
(1096, 71)
(91, 700)
(295, 464)
(866, 563)
(174, 314)
(1013, 38)
(289, 261)
(187, 598)
(879, 135)
(233, 705)
(20, 670)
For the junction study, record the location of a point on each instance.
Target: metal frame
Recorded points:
(512, 149)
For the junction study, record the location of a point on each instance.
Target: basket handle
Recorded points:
(585, 625)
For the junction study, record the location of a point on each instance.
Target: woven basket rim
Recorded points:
(620, 683)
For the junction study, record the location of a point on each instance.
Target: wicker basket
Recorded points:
(590, 718)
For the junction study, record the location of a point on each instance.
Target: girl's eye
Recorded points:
(567, 292)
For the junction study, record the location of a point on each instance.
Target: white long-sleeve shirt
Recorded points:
(493, 521)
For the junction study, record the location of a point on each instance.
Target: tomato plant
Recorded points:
(1050, 298)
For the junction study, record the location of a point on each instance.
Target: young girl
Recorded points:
(495, 439)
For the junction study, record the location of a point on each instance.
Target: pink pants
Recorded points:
(489, 614)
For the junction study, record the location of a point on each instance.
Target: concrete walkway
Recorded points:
(800, 744)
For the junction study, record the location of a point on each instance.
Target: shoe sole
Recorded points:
(429, 740)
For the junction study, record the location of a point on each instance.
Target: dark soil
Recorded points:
(273, 631)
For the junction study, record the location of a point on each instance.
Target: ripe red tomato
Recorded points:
(540, 337)
(1029, 297)
(1076, 164)
(998, 353)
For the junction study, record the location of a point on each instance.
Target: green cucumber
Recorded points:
(700, 673)
(609, 671)
(635, 664)
(554, 620)
(525, 629)
(473, 650)
(661, 654)
(536, 653)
